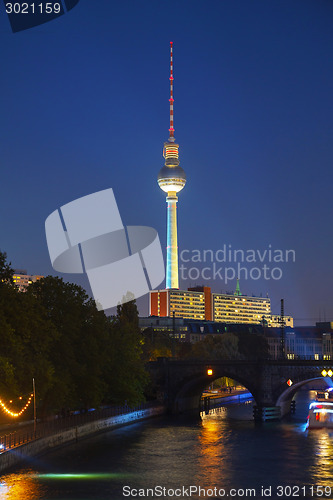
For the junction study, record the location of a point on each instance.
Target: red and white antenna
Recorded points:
(171, 129)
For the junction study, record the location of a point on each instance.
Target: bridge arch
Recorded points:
(188, 393)
(285, 398)
(182, 381)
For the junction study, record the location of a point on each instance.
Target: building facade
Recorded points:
(190, 304)
(300, 342)
(185, 330)
(275, 321)
(199, 303)
(22, 280)
(240, 309)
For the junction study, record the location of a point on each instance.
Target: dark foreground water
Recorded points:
(224, 457)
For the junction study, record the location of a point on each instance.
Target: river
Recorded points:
(223, 456)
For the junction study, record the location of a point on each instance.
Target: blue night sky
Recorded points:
(84, 107)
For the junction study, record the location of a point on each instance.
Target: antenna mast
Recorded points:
(171, 129)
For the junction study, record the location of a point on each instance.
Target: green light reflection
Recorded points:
(31, 485)
(81, 476)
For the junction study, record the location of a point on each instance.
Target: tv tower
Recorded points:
(171, 179)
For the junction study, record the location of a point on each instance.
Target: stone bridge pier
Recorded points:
(181, 382)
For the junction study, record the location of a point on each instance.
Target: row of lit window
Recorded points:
(186, 300)
(244, 308)
(239, 314)
(242, 304)
(198, 307)
(192, 316)
(177, 294)
(233, 299)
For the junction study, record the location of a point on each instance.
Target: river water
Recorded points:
(225, 457)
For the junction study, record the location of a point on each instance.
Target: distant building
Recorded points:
(326, 325)
(166, 324)
(328, 345)
(274, 321)
(310, 342)
(199, 303)
(186, 330)
(240, 309)
(190, 304)
(300, 342)
(22, 280)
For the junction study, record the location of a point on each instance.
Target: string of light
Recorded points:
(12, 413)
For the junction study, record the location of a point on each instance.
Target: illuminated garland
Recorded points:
(13, 414)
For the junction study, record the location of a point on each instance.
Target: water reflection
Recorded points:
(213, 454)
(19, 486)
(30, 485)
(218, 452)
(323, 454)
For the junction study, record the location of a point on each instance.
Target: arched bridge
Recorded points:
(182, 381)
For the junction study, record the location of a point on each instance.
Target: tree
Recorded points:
(25, 336)
(6, 271)
(79, 358)
(78, 351)
(157, 344)
(252, 346)
(96, 359)
(222, 346)
(126, 374)
(127, 312)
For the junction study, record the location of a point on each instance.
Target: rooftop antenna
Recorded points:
(237, 292)
(283, 352)
(171, 100)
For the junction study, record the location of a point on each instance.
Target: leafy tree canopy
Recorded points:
(78, 357)
(6, 271)
(222, 346)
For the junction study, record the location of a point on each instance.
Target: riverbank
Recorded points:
(14, 456)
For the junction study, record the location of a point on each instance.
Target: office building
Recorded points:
(199, 303)
(22, 280)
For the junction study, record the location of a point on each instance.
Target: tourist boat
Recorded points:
(321, 410)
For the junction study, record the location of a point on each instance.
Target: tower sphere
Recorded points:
(171, 179)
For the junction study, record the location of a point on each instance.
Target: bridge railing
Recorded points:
(27, 434)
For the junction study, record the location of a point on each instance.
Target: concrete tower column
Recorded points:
(172, 243)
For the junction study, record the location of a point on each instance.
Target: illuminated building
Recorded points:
(194, 303)
(300, 342)
(199, 303)
(171, 179)
(328, 345)
(22, 280)
(275, 321)
(185, 330)
(238, 308)
(304, 342)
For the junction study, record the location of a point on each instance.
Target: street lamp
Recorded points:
(34, 392)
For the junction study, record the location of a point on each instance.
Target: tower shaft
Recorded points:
(171, 179)
(172, 242)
